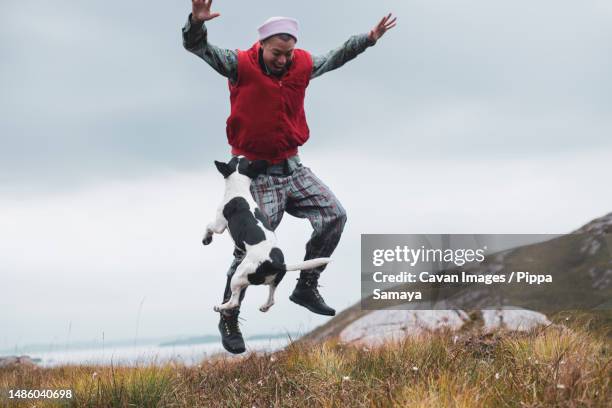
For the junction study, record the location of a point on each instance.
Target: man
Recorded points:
(267, 121)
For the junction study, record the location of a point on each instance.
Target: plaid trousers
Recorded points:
(302, 195)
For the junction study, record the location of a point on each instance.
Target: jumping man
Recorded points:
(267, 85)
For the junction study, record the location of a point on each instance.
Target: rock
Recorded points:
(516, 319)
(385, 325)
(599, 226)
(16, 361)
(601, 277)
(381, 326)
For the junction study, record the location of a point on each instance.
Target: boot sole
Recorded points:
(307, 306)
(233, 351)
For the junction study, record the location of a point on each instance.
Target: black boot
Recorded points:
(231, 338)
(306, 294)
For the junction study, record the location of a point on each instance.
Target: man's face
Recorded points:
(277, 53)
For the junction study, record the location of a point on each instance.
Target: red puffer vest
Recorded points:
(267, 119)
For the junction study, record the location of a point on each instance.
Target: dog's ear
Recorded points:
(257, 167)
(224, 169)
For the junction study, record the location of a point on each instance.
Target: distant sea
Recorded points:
(189, 354)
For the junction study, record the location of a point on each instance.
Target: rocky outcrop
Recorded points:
(381, 326)
(599, 226)
(580, 264)
(596, 237)
(512, 319)
(386, 325)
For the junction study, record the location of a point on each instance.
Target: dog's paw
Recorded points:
(207, 239)
(265, 308)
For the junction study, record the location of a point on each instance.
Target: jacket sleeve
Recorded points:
(195, 40)
(336, 58)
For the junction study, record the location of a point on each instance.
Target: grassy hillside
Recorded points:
(581, 264)
(553, 366)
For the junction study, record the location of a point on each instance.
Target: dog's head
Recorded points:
(240, 165)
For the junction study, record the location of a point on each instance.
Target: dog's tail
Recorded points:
(309, 264)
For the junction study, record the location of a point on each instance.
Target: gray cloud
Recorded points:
(98, 91)
(87, 258)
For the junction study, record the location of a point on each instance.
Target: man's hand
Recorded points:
(200, 11)
(386, 23)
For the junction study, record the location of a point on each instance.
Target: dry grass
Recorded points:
(554, 366)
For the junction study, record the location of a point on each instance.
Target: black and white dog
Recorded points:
(264, 262)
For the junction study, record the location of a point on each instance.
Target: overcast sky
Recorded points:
(468, 117)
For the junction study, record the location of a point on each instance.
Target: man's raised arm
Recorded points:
(195, 40)
(354, 46)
